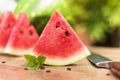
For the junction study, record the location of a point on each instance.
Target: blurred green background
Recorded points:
(97, 22)
(101, 19)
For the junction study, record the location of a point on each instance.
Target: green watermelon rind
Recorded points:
(81, 54)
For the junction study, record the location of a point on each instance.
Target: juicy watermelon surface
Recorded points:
(59, 43)
(6, 27)
(22, 38)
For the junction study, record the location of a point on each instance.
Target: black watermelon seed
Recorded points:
(67, 33)
(48, 71)
(107, 74)
(25, 68)
(30, 32)
(42, 67)
(3, 62)
(57, 24)
(69, 69)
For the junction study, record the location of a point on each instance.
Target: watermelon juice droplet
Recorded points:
(59, 43)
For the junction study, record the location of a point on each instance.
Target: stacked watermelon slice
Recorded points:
(17, 36)
(58, 41)
(6, 27)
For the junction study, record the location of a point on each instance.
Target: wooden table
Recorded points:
(82, 70)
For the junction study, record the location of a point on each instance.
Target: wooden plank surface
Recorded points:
(82, 70)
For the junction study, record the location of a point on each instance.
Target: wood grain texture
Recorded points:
(82, 70)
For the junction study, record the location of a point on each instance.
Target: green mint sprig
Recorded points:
(34, 62)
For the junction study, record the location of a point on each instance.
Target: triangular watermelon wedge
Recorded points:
(6, 27)
(59, 43)
(22, 38)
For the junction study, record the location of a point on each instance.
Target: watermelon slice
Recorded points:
(0, 19)
(6, 27)
(59, 43)
(22, 38)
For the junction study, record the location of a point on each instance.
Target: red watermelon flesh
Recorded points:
(6, 27)
(22, 38)
(23, 19)
(0, 19)
(59, 43)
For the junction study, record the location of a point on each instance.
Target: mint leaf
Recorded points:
(41, 60)
(30, 58)
(29, 64)
(34, 62)
(35, 67)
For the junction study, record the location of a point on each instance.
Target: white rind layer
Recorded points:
(79, 55)
(18, 52)
(56, 62)
(1, 50)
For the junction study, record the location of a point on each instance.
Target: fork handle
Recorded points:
(115, 68)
